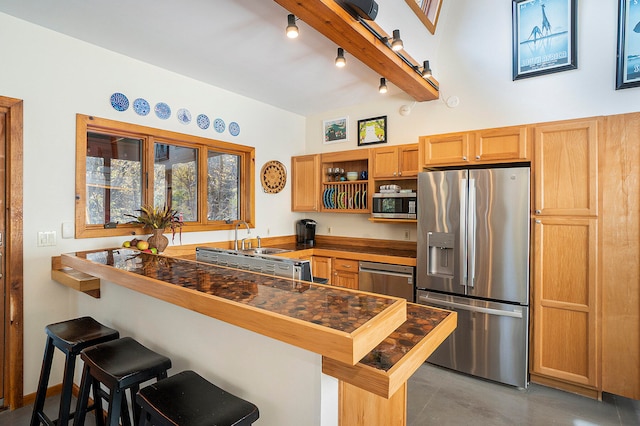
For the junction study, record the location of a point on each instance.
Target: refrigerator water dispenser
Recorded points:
(440, 254)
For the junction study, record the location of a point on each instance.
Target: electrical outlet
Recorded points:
(328, 230)
(406, 234)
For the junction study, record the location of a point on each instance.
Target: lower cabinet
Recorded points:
(345, 273)
(565, 343)
(321, 267)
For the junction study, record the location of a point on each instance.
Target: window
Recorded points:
(121, 166)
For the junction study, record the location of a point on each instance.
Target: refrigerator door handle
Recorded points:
(463, 233)
(471, 236)
(465, 307)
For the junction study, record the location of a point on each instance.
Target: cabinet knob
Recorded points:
(477, 157)
(395, 174)
(399, 173)
(464, 158)
(538, 221)
(538, 211)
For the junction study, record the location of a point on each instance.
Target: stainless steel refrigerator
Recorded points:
(473, 257)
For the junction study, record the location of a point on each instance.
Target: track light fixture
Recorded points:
(340, 59)
(292, 28)
(396, 44)
(426, 70)
(383, 85)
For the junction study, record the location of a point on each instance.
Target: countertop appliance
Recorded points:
(273, 265)
(384, 278)
(473, 257)
(394, 205)
(306, 232)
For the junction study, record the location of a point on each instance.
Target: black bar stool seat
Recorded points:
(120, 365)
(187, 399)
(70, 337)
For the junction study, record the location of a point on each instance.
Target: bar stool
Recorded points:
(120, 365)
(187, 399)
(70, 337)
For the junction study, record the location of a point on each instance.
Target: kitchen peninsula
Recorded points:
(371, 343)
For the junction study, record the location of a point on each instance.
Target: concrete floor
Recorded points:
(444, 398)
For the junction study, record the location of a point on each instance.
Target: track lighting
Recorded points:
(396, 44)
(292, 28)
(383, 85)
(426, 70)
(340, 60)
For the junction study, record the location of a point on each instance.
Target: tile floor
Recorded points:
(444, 398)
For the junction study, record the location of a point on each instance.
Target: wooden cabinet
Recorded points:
(305, 183)
(394, 161)
(345, 273)
(489, 146)
(321, 267)
(565, 341)
(566, 155)
(342, 196)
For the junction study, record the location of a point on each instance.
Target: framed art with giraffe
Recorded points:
(628, 57)
(544, 37)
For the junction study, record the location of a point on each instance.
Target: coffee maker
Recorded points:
(306, 231)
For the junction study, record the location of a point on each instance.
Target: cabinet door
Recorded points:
(565, 336)
(321, 267)
(345, 273)
(452, 148)
(408, 160)
(504, 144)
(385, 162)
(565, 168)
(305, 183)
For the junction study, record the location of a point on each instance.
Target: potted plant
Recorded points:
(158, 219)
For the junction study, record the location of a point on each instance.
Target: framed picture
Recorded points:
(372, 130)
(336, 130)
(428, 11)
(544, 37)
(628, 66)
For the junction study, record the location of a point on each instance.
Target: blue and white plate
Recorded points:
(119, 102)
(203, 121)
(141, 106)
(218, 125)
(184, 116)
(163, 111)
(234, 128)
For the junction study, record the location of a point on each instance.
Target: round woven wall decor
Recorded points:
(273, 177)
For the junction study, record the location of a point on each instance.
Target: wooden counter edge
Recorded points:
(334, 344)
(386, 383)
(74, 279)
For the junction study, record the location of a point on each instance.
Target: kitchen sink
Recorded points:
(265, 250)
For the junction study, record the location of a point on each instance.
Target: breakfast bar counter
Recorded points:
(371, 343)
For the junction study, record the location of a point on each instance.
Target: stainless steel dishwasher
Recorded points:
(385, 278)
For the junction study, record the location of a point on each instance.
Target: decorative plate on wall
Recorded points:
(234, 128)
(273, 176)
(119, 102)
(162, 110)
(141, 106)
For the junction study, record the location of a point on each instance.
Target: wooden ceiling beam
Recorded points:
(331, 20)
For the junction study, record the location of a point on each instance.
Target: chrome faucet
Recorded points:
(235, 239)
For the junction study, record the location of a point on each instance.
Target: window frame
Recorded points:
(150, 136)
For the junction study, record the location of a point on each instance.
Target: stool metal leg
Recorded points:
(43, 384)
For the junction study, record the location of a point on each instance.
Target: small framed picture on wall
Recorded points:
(335, 130)
(372, 131)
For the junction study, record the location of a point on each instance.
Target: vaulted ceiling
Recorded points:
(238, 45)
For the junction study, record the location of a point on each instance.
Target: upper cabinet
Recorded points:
(389, 162)
(500, 145)
(566, 168)
(305, 181)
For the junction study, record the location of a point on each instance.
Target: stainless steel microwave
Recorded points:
(394, 205)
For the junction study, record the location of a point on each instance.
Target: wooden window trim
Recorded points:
(150, 136)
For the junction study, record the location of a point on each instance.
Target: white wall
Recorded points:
(471, 58)
(57, 77)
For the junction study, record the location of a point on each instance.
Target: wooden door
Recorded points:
(501, 145)
(384, 162)
(448, 149)
(346, 273)
(565, 335)
(566, 161)
(305, 183)
(3, 294)
(408, 160)
(321, 267)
